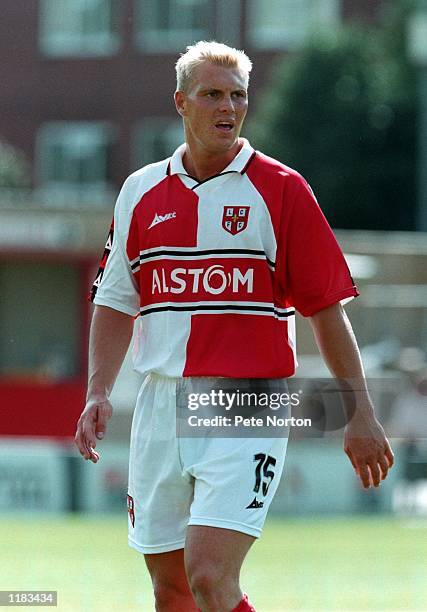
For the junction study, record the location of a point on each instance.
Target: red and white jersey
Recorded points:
(216, 268)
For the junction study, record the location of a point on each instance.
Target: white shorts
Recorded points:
(174, 482)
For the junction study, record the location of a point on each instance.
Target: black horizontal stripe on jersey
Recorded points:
(213, 307)
(200, 253)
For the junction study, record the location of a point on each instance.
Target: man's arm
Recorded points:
(110, 335)
(364, 439)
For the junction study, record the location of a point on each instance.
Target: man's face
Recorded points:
(214, 107)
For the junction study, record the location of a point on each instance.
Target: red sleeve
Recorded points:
(317, 273)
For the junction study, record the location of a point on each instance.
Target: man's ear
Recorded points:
(180, 103)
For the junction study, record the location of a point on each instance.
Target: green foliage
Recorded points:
(343, 113)
(14, 168)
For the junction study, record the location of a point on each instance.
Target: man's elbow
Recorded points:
(330, 314)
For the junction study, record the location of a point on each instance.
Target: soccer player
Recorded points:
(214, 249)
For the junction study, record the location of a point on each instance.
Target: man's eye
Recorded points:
(212, 94)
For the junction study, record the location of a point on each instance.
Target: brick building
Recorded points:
(86, 85)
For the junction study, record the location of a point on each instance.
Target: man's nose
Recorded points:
(227, 104)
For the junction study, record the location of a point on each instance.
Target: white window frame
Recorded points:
(84, 134)
(72, 41)
(152, 39)
(147, 131)
(292, 22)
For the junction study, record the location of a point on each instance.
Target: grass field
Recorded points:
(331, 564)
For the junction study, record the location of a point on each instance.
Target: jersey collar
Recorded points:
(238, 164)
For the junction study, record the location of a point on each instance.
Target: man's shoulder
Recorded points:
(273, 169)
(140, 182)
(150, 172)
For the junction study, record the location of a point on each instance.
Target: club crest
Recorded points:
(235, 219)
(131, 509)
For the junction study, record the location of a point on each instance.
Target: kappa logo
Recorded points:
(255, 504)
(160, 218)
(235, 219)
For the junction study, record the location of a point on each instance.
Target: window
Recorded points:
(286, 24)
(155, 139)
(79, 27)
(41, 341)
(74, 160)
(170, 25)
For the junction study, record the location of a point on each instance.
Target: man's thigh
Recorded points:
(234, 481)
(159, 495)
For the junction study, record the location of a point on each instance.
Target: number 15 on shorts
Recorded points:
(263, 472)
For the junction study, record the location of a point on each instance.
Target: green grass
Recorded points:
(330, 564)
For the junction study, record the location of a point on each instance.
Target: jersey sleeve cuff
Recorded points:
(99, 301)
(344, 296)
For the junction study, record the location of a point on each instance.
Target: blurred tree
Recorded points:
(342, 112)
(15, 171)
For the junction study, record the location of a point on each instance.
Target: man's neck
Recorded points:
(202, 166)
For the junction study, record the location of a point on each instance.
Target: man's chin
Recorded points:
(226, 144)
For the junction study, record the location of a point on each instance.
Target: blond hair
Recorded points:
(209, 51)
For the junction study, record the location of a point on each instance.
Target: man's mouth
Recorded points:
(224, 126)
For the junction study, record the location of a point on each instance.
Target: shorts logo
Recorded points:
(255, 504)
(131, 510)
(235, 219)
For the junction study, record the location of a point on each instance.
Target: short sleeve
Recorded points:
(115, 285)
(317, 273)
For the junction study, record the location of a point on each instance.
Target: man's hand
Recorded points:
(364, 439)
(110, 334)
(368, 450)
(91, 426)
